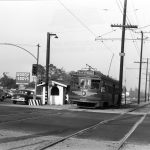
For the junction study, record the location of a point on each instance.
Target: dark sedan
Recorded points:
(22, 96)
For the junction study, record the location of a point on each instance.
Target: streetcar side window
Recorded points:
(75, 83)
(103, 89)
(95, 84)
(82, 83)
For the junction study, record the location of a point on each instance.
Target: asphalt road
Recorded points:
(21, 126)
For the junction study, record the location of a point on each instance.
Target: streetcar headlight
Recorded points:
(83, 93)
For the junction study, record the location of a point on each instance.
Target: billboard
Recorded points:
(22, 77)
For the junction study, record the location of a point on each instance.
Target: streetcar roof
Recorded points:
(94, 75)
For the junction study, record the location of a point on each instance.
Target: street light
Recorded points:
(36, 58)
(48, 60)
(37, 64)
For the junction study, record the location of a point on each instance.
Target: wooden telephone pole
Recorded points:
(123, 26)
(140, 68)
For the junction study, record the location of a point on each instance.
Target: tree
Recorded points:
(31, 85)
(134, 93)
(8, 82)
(58, 74)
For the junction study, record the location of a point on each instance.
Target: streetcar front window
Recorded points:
(95, 84)
(82, 83)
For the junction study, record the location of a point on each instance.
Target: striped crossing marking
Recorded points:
(36, 102)
(46, 97)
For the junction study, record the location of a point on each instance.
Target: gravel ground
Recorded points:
(28, 144)
(135, 146)
(70, 144)
(83, 144)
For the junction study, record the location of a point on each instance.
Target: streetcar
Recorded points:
(90, 88)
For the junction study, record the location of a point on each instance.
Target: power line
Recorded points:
(135, 44)
(107, 32)
(83, 24)
(119, 7)
(79, 20)
(144, 27)
(136, 18)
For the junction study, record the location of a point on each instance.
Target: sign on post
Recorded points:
(121, 54)
(22, 77)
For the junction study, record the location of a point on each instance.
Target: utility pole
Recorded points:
(47, 64)
(146, 80)
(124, 26)
(139, 87)
(149, 87)
(140, 68)
(125, 93)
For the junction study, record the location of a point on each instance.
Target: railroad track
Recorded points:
(119, 143)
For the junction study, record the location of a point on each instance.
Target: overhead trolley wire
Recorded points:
(144, 27)
(84, 25)
(135, 12)
(79, 20)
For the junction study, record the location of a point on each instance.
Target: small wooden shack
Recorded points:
(57, 93)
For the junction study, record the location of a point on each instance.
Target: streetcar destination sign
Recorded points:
(22, 77)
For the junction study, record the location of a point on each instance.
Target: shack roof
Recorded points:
(60, 83)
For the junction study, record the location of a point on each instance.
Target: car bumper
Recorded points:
(18, 99)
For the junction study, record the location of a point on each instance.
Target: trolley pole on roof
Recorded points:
(110, 64)
(123, 26)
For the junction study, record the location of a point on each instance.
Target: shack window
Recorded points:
(55, 90)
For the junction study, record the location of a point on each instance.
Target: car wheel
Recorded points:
(2, 98)
(27, 102)
(14, 102)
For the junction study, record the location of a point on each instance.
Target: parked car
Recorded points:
(8, 93)
(23, 96)
(2, 95)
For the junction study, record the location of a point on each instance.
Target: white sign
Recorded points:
(22, 77)
(121, 54)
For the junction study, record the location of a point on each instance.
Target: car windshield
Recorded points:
(25, 92)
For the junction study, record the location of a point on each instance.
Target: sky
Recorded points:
(84, 31)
